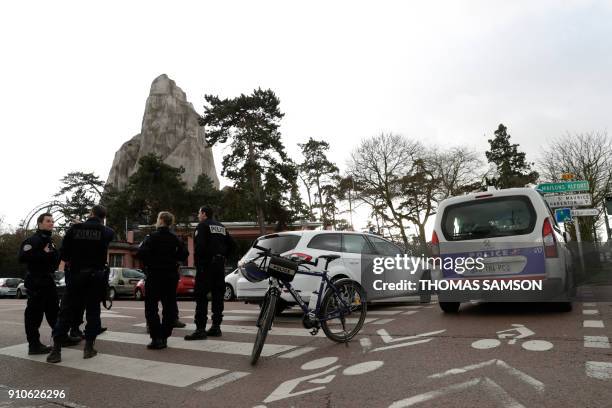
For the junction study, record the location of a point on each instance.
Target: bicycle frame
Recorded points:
(325, 282)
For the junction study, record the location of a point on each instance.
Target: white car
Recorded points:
(231, 279)
(8, 286)
(516, 236)
(351, 246)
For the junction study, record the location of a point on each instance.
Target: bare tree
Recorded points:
(589, 157)
(459, 171)
(377, 167)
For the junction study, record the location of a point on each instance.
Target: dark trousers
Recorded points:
(84, 289)
(42, 301)
(161, 287)
(209, 279)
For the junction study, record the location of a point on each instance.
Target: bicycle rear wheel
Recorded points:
(264, 322)
(345, 319)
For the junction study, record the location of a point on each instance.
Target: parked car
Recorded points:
(8, 286)
(184, 288)
(515, 233)
(123, 281)
(231, 280)
(351, 246)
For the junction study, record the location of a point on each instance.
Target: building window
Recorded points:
(116, 260)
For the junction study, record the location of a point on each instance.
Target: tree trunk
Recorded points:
(256, 192)
(323, 217)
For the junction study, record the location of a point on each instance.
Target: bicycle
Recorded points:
(341, 298)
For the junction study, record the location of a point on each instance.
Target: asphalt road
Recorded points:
(408, 354)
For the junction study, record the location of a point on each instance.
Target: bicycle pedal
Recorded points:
(314, 332)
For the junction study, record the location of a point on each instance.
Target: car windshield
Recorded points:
(495, 217)
(188, 272)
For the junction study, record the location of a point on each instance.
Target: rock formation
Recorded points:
(170, 129)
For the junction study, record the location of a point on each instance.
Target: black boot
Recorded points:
(178, 324)
(214, 331)
(199, 334)
(103, 329)
(68, 341)
(56, 352)
(39, 348)
(157, 344)
(89, 351)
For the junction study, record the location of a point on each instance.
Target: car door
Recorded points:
(386, 248)
(355, 249)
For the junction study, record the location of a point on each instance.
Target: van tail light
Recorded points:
(435, 245)
(548, 238)
(302, 256)
(4, 285)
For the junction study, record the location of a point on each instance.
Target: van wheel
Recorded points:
(138, 295)
(19, 295)
(450, 307)
(112, 294)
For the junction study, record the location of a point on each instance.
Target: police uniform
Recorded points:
(212, 243)
(40, 285)
(84, 248)
(161, 252)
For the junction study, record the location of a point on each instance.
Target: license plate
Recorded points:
(497, 268)
(190, 290)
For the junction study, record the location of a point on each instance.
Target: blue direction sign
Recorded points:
(564, 187)
(563, 214)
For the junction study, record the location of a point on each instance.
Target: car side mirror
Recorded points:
(566, 236)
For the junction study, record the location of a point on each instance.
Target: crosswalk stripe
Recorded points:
(300, 313)
(177, 375)
(596, 342)
(208, 345)
(231, 328)
(383, 321)
(279, 319)
(593, 323)
(297, 352)
(224, 379)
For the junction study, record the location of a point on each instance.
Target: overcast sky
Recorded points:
(76, 76)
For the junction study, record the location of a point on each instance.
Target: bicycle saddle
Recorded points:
(329, 257)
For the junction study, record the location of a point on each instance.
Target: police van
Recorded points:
(513, 235)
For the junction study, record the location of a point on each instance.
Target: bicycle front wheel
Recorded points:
(264, 322)
(343, 311)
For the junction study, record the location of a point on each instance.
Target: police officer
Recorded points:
(212, 243)
(42, 259)
(84, 248)
(161, 252)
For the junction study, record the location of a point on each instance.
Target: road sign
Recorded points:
(586, 212)
(564, 187)
(568, 200)
(567, 176)
(563, 215)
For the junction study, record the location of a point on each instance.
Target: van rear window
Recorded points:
(489, 218)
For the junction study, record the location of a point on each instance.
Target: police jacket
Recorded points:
(40, 264)
(161, 251)
(210, 239)
(85, 245)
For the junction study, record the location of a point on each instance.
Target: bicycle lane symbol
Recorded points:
(518, 332)
(286, 389)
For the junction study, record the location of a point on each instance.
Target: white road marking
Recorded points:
(177, 375)
(366, 344)
(297, 352)
(225, 379)
(410, 343)
(383, 321)
(410, 312)
(593, 323)
(538, 385)
(386, 337)
(537, 345)
(596, 342)
(490, 386)
(484, 344)
(319, 363)
(252, 330)
(590, 311)
(589, 304)
(208, 345)
(599, 369)
(107, 315)
(363, 368)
